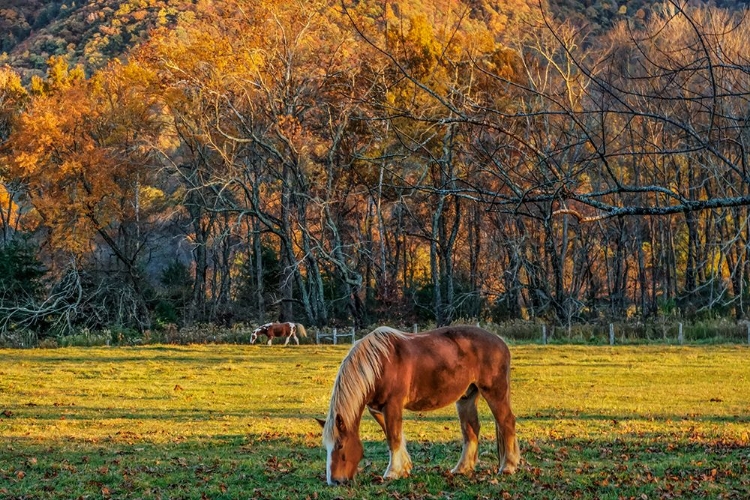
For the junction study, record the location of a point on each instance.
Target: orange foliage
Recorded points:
(77, 149)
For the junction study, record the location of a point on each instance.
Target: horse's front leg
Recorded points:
(270, 339)
(400, 463)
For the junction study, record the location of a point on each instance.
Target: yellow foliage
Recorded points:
(151, 196)
(10, 82)
(7, 204)
(78, 148)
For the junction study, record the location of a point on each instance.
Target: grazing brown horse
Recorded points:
(271, 330)
(389, 370)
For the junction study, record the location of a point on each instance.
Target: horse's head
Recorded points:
(344, 449)
(261, 330)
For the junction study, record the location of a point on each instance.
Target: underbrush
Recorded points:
(520, 332)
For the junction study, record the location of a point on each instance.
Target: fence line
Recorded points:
(334, 335)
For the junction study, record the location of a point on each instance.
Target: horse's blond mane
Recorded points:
(357, 375)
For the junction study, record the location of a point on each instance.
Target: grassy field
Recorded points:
(237, 422)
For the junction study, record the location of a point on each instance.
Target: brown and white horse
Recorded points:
(271, 330)
(389, 370)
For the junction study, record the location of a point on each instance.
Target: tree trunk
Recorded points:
(201, 230)
(260, 305)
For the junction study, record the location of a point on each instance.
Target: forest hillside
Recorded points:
(85, 32)
(91, 32)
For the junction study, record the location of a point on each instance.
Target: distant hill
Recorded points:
(599, 15)
(19, 17)
(89, 32)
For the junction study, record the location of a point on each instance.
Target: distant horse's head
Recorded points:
(261, 330)
(344, 451)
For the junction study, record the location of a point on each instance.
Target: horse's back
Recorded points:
(437, 367)
(279, 329)
(460, 341)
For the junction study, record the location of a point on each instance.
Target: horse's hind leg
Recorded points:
(287, 340)
(469, 418)
(296, 340)
(509, 454)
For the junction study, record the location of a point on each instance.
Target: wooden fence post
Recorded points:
(611, 334)
(544, 334)
(680, 335)
(416, 329)
(334, 336)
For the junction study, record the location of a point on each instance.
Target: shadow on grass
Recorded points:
(264, 466)
(167, 359)
(47, 412)
(549, 415)
(193, 355)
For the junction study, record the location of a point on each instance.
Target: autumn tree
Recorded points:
(13, 97)
(656, 128)
(79, 154)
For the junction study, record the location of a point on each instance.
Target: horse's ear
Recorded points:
(321, 422)
(340, 423)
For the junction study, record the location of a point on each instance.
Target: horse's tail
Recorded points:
(301, 330)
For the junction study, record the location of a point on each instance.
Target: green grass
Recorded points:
(237, 422)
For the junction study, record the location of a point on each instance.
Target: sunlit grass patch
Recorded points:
(237, 422)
